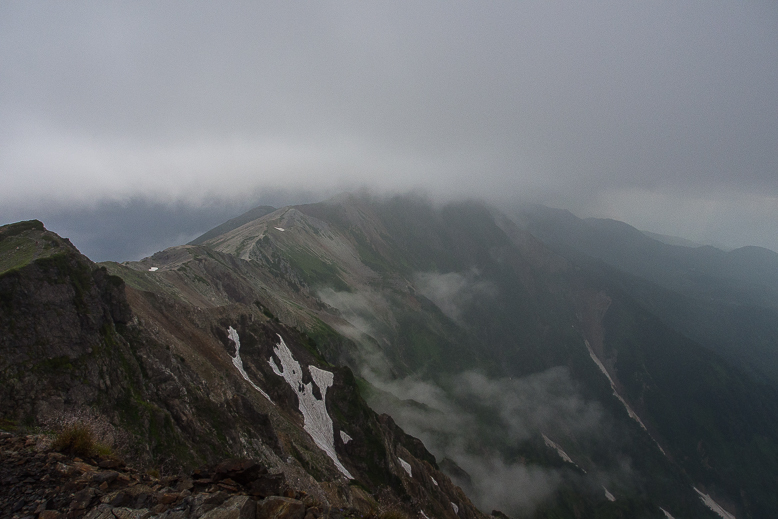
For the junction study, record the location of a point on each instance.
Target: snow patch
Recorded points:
(562, 454)
(433, 481)
(423, 514)
(632, 414)
(153, 269)
(280, 229)
(232, 333)
(667, 514)
(608, 495)
(345, 437)
(455, 507)
(316, 422)
(713, 505)
(406, 466)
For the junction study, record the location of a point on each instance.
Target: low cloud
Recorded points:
(452, 292)
(450, 421)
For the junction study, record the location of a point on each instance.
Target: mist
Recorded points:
(449, 420)
(659, 114)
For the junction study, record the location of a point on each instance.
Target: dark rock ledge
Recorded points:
(37, 482)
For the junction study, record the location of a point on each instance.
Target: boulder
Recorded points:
(276, 507)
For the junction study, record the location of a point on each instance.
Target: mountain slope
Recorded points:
(454, 313)
(173, 385)
(727, 301)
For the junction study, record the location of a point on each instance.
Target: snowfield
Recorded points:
(406, 466)
(667, 514)
(316, 422)
(562, 454)
(632, 414)
(713, 505)
(232, 333)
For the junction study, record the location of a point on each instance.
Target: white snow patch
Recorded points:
(455, 507)
(232, 333)
(713, 505)
(630, 412)
(316, 421)
(433, 481)
(153, 269)
(406, 466)
(423, 514)
(562, 454)
(667, 514)
(280, 229)
(608, 495)
(345, 437)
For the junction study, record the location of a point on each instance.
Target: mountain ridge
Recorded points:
(449, 316)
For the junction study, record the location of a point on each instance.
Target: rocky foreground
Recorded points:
(37, 481)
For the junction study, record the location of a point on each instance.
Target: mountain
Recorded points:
(727, 301)
(172, 385)
(538, 380)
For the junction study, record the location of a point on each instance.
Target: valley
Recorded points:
(448, 360)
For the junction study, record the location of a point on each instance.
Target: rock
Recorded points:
(49, 514)
(203, 503)
(110, 464)
(105, 477)
(276, 507)
(168, 498)
(267, 485)
(83, 499)
(127, 513)
(243, 471)
(102, 511)
(237, 507)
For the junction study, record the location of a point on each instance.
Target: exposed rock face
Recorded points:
(34, 479)
(156, 377)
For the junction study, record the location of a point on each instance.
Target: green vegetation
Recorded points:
(315, 271)
(77, 439)
(18, 228)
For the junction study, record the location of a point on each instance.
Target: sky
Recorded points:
(132, 126)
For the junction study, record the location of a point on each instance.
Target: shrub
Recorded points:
(77, 439)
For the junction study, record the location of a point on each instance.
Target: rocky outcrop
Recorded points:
(36, 481)
(172, 386)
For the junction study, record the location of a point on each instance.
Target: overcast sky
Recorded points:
(146, 123)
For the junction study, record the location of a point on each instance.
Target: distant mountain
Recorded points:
(536, 374)
(234, 223)
(675, 240)
(727, 301)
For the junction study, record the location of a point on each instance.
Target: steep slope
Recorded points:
(727, 301)
(172, 385)
(455, 315)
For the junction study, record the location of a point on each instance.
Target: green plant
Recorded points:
(77, 439)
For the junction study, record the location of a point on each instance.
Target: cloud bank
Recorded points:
(661, 114)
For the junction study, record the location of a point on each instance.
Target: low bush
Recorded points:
(77, 439)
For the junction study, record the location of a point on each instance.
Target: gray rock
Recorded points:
(276, 507)
(237, 507)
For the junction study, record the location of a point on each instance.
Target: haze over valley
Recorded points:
(423, 260)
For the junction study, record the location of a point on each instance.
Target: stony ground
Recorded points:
(37, 482)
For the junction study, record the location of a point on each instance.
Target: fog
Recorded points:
(450, 423)
(660, 114)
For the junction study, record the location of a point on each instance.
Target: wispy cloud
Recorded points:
(450, 423)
